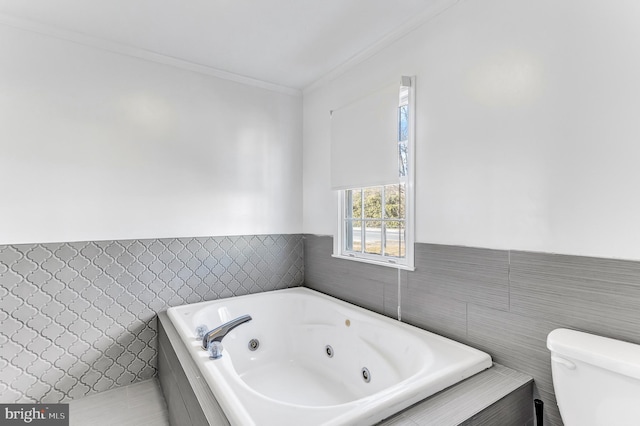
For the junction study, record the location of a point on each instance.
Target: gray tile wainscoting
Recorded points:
(367, 284)
(503, 302)
(80, 318)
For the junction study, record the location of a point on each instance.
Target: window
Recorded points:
(376, 222)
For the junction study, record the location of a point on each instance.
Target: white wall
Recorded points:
(528, 127)
(95, 145)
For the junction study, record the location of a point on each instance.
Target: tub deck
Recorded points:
(498, 395)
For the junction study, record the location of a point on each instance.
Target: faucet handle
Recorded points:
(215, 349)
(201, 330)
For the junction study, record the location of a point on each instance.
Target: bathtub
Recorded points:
(307, 358)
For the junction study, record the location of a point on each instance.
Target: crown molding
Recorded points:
(392, 37)
(127, 50)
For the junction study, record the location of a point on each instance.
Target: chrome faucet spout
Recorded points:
(218, 333)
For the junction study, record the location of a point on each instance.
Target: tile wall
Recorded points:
(503, 302)
(79, 318)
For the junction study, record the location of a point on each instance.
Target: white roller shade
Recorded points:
(364, 141)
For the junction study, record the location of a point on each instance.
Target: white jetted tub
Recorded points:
(319, 360)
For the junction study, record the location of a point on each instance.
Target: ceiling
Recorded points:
(288, 43)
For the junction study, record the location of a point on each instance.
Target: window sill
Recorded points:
(375, 262)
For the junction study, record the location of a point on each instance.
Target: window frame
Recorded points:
(408, 261)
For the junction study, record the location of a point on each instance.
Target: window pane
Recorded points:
(373, 202)
(403, 123)
(402, 189)
(392, 202)
(403, 133)
(348, 198)
(354, 203)
(356, 236)
(348, 235)
(403, 159)
(373, 237)
(394, 241)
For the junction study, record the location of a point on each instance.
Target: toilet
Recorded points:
(596, 379)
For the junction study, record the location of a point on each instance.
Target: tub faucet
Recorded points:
(218, 333)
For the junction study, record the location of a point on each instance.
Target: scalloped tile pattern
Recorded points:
(79, 318)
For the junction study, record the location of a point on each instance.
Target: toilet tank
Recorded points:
(596, 379)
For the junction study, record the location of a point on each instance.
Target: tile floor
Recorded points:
(139, 404)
